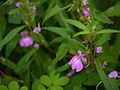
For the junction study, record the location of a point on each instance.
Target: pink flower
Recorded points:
(85, 12)
(18, 4)
(36, 45)
(76, 63)
(85, 2)
(25, 41)
(98, 49)
(113, 74)
(37, 30)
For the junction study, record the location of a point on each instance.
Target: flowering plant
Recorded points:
(59, 45)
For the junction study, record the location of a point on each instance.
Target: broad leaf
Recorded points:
(113, 11)
(61, 31)
(53, 11)
(110, 84)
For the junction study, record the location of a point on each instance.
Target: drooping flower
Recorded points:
(26, 40)
(76, 61)
(99, 49)
(36, 45)
(85, 12)
(37, 30)
(113, 74)
(85, 2)
(18, 4)
(70, 73)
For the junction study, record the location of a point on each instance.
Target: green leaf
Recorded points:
(8, 63)
(52, 12)
(45, 80)
(62, 51)
(54, 76)
(2, 26)
(14, 18)
(90, 81)
(23, 88)
(37, 86)
(103, 39)
(11, 45)
(62, 81)
(64, 67)
(13, 86)
(107, 31)
(24, 62)
(2, 87)
(101, 17)
(81, 33)
(10, 36)
(77, 24)
(56, 88)
(61, 31)
(72, 43)
(110, 84)
(113, 11)
(14, 11)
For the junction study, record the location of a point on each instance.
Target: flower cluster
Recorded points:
(26, 40)
(79, 60)
(86, 9)
(31, 6)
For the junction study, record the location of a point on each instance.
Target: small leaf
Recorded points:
(56, 88)
(62, 81)
(23, 88)
(10, 36)
(2, 87)
(77, 24)
(54, 76)
(13, 86)
(81, 33)
(37, 86)
(107, 31)
(45, 80)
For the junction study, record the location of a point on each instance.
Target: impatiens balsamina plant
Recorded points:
(59, 45)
